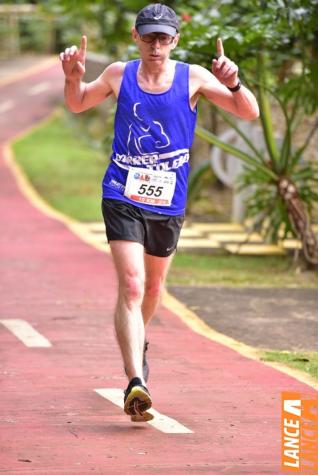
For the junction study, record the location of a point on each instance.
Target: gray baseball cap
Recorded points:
(157, 18)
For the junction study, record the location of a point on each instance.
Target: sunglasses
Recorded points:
(163, 38)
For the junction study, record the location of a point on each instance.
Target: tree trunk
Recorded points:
(299, 219)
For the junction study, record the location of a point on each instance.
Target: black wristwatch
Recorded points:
(235, 88)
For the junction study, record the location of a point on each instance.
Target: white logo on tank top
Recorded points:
(141, 131)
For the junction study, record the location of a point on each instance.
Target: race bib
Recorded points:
(151, 187)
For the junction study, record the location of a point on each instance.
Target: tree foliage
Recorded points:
(108, 22)
(284, 31)
(275, 45)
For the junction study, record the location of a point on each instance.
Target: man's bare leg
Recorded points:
(156, 269)
(129, 262)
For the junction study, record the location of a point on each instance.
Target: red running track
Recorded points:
(52, 420)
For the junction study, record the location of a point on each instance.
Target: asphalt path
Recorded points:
(277, 319)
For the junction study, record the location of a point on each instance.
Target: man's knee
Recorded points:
(154, 289)
(131, 288)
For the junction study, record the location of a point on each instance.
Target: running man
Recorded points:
(145, 184)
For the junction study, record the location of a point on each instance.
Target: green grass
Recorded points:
(306, 361)
(239, 271)
(63, 168)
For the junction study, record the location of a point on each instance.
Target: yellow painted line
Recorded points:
(236, 237)
(200, 327)
(38, 202)
(31, 128)
(291, 244)
(219, 227)
(197, 243)
(97, 227)
(250, 249)
(44, 64)
(89, 238)
(98, 238)
(190, 233)
(248, 223)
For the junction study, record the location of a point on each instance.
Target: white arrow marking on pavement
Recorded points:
(5, 106)
(38, 88)
(161, 422)
(26, 333)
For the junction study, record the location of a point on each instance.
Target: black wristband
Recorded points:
(235, 88)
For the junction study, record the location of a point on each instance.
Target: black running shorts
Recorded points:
(158, 233)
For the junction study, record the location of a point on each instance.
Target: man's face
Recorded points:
(155, 46)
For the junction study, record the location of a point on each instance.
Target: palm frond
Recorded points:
(213, 139)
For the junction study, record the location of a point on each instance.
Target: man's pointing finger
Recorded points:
(219, 47)
(83, 45)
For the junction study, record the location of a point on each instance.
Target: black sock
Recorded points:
(135, 382)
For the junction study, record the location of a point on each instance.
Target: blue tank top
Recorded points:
(152, 131)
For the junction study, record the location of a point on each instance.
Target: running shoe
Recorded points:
(144, 417)
(137, 398)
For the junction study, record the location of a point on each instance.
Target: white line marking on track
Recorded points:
(38, 88)
(5, 106)
(26, 333)
(161, 422)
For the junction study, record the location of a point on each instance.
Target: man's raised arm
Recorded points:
(224, 88)
(80, 96)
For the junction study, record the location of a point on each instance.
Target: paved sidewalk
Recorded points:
(276, 319)
(52, 419)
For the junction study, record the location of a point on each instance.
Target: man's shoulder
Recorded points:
(197, 70)
(112, 75)
(115, 69)
(200, 75)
